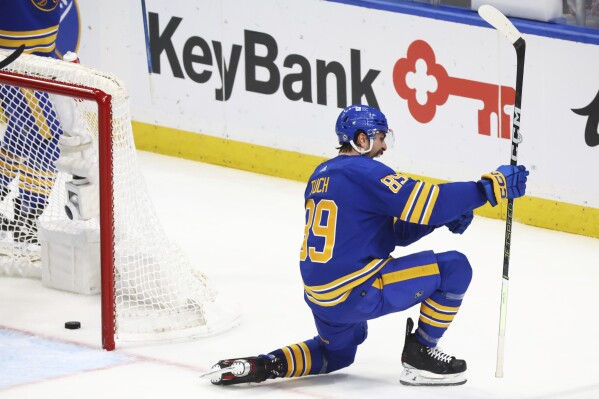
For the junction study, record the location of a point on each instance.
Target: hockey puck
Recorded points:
(72, 325)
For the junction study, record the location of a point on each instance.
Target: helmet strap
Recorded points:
(361, 150)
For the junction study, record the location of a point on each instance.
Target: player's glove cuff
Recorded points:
(495, 187)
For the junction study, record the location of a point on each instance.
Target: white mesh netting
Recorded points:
(158, 292)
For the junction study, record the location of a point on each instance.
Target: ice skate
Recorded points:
(24, 225)
(245, 369)
(429, 366)
(26, 222)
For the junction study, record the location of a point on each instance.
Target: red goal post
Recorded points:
(148, 290)
(104, 102)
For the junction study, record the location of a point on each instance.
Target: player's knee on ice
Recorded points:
(339, 359)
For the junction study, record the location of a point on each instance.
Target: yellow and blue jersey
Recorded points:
(33, 23)
(28, 115)
(357, 211)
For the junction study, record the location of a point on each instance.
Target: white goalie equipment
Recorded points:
(78, 157)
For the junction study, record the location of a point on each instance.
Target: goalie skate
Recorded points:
(424, 365)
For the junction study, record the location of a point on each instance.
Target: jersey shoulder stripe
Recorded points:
(25, 23)
(420, 203)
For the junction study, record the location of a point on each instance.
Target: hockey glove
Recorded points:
(460, 225)
(506, 182)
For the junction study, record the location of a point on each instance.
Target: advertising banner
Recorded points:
(275, 73)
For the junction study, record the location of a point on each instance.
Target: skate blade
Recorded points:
(415, 377)
(216, 373)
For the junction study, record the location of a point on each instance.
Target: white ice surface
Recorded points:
(245, 231)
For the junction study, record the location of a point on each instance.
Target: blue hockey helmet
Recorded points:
(360, 118)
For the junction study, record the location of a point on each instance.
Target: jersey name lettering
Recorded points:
(320, 185)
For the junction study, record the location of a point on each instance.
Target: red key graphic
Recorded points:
(494, 97)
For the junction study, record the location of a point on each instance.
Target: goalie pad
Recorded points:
(71, 120)
(78, 157)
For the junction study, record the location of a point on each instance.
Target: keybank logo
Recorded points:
(418, 78)
(202, 58)
(69, 31)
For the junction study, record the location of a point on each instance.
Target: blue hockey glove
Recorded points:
(506, 182)
(460, 225)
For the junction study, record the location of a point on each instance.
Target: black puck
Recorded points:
(72, 325)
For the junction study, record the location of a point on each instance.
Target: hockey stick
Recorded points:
(147, 36)
(148, 50)
(500, 22)
(13, 56)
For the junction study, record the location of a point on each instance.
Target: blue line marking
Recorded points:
(26, 358)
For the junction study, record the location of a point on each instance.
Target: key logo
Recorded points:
(426, 85)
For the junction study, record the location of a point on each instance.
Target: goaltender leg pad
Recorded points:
(70, 257)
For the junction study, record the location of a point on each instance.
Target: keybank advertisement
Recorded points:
(277, 72)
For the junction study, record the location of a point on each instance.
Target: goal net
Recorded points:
(68, 168)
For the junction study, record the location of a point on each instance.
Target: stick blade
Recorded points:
(500, 22)
(13, 56)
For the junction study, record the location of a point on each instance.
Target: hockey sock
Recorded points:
(301, 359)
(436, 314)
(438, 311)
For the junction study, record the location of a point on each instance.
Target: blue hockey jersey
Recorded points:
(30, 22)
(357, 211)
(28, 114)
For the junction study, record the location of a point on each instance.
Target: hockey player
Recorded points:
(35, 24)
(357, 211)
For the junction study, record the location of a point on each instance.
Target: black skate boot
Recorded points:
(5, 223)
(26, 222)
(429, 366)
(246, 369)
